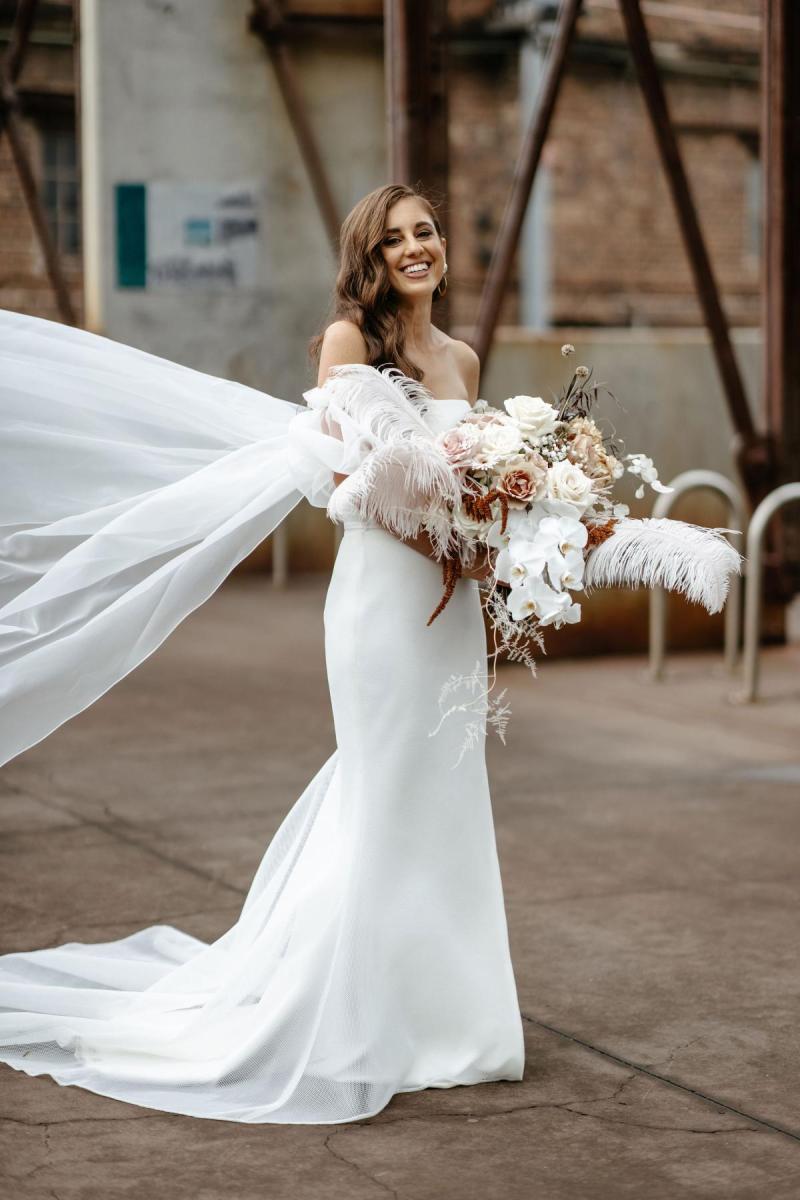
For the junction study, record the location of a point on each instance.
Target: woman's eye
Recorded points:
(392, 241)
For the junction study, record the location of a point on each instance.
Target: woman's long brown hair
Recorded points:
(362, 293)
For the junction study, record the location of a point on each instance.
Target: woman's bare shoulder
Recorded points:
(465, 354)
(469, 366)
(346, 335)
(342, 342)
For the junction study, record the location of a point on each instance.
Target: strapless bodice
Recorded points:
(443, 414)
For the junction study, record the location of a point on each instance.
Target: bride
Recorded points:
(371, 955)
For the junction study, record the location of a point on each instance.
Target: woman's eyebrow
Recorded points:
(395, 229)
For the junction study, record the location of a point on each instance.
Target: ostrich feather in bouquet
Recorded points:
(657, 552)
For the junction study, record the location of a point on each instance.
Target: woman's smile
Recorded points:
(417, 269)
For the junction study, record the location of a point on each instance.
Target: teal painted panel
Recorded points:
(131, 215)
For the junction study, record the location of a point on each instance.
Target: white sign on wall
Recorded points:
(172, 236)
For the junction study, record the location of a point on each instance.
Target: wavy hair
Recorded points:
(362, 292)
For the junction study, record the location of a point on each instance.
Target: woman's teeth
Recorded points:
(416, 269)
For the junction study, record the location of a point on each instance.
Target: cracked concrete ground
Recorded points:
(648, 841)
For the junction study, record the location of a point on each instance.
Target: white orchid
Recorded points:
(507, 570)
(642, 466)
(547, 549)
(516, 519)
(566, 570)
(535, 598)
(550, 507)
(570, 614)
(564, 532)
(532, 552)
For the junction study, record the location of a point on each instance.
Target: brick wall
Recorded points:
(484, 134)
(615, 251)
(24, 285)
(46, 88)
(616, 255)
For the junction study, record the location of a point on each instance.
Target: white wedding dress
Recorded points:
(371, 955)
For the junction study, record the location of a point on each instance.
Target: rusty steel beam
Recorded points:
(396, 19)
(754, 454)
(15, 56)
(415, 68)
(505, 247)
(415, 58)
(11, 124)
(20, 36)
(268, 22)
(30, 191)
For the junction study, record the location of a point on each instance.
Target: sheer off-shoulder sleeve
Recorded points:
(325, 439)
(370, 426)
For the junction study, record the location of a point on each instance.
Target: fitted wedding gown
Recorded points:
(371, 955)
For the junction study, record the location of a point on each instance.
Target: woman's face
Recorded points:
(412, 249)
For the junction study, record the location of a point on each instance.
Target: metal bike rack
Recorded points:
(752, 607)
(690, 481)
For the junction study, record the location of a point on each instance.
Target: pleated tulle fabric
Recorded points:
(371, 954)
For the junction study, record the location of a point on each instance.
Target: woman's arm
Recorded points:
(344, 343)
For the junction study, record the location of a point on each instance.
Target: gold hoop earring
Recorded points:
(442, 289)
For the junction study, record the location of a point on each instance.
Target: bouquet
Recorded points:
(537, 503)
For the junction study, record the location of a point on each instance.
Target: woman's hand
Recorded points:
(482, 571)
(479, 571)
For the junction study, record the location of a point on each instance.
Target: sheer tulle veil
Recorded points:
(130, 487)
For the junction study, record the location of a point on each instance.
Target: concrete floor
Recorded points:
(648, 841)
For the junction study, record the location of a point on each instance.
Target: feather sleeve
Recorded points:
(370, 425)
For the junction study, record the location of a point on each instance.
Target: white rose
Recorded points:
(567, 482)
(498, 439)
(534, 415)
